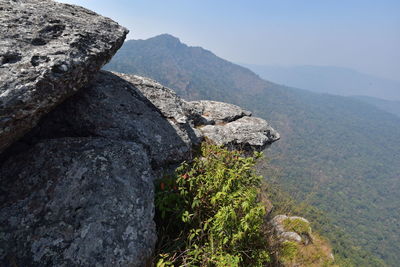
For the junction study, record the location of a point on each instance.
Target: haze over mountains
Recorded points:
(339, 153)
(386, 105)
(331, 80)
(380, 92)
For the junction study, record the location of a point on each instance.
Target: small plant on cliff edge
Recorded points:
(208, 213)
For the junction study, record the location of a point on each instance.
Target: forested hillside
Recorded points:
(386, 105)
(338, 154)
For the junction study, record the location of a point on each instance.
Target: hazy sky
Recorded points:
(359, 34)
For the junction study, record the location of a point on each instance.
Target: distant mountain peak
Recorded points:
(166, 37)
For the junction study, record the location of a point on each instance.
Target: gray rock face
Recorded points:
(164, 99)
(116, 109)
(48, 51)
(77, 202)
(213, 112)
(230, 126)
(247, 133)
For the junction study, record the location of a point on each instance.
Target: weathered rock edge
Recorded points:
(225, 124)
(48, 51)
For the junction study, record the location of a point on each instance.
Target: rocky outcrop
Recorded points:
(91, 166)
(247, 133)
(292, 228)
(77, 189)
(48, 51)
(231, 126)
(207, 112)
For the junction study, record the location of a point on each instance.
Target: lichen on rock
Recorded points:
(48, 51)
(212, 112)
(77, 202)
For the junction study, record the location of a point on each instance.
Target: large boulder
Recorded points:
(246, 133)
(214, 112)
(230, 126)
(48, 51)
(77, 202)
(117, 109)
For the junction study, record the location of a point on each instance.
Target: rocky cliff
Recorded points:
(82, 147)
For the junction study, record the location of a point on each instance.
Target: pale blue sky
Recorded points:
(359, 34)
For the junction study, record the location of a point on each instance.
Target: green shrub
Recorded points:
(208, 212)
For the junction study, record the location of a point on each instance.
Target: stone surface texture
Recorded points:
(48, 50)
(77, 202)
(246, 133)
(213, 112)
(163, 98)
(114, 108)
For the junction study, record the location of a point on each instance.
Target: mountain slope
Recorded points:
(330, 79)
(386, 105)
(186, 69)
(337, 153)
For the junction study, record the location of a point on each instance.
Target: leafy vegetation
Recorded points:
(214, 214)
(337, 154)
